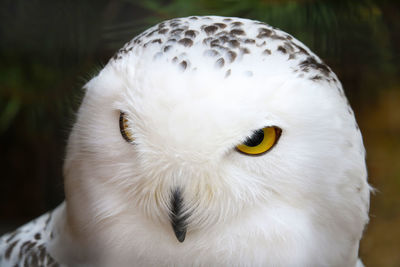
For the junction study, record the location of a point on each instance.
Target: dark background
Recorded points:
(49, 49)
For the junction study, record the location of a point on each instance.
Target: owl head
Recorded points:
(201, 122)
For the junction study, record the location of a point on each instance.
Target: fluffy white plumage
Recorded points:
(191, 90)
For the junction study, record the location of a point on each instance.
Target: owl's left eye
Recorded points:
(124, 128)
(260, 141)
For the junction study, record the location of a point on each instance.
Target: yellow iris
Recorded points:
(124, 128)
(260, 142)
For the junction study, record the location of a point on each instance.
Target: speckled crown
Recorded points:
(224, 41)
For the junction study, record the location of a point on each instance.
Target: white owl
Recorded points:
(207, 141)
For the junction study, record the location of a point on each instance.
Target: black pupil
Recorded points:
(255, 139)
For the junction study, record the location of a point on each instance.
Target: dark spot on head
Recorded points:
(174, 24)
(267, 52)
(220, 25)
(277, 37)
(177, 31)
(214, 43)
(245, 50)
(259, 23)
(210, 29)
(175, 59)
(223, 33)
(162, 31)
(288, 47)
(264, 33)
(234, 43)
(37, 236)
(231, 56)
(167, 47)
(172, 40)
(236, 24)
(249, 41)
(301, 49)
(220, 62)
(186, 42)
(190, 34)
(193, 18)
(183, 64)
(311, 62)
(207, 40)
(316, 78)
(282, 49)
(224, 39)
(156, 41)
(228, 73)
(237, 32)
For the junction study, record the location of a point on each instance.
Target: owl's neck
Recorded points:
(64, 245)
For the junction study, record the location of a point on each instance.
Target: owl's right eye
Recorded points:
(261, 141)
(124, 128)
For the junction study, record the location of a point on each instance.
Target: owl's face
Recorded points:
(233, 115)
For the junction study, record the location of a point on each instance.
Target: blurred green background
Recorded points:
(49, 49)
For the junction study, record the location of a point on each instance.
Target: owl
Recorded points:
(207, 141)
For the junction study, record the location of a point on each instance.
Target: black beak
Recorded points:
(177, 219)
